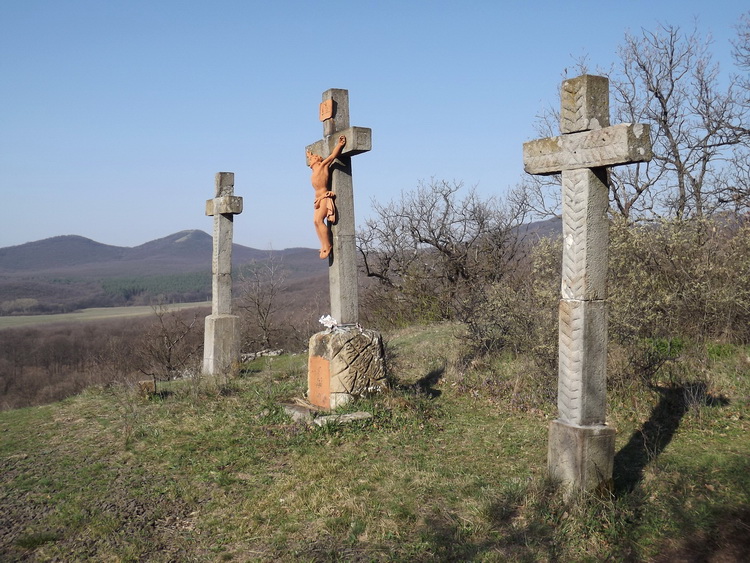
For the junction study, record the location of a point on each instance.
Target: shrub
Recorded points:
(686, 279)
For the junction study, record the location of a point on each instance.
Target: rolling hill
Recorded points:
(182, 252)
(65, 273)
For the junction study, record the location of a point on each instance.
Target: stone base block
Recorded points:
(344, 364)
(147, 387)
(581, 458)
(221, 345)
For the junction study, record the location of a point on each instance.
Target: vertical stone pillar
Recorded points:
(221, 348)
(581, 445)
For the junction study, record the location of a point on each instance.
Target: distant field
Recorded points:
(99, 313)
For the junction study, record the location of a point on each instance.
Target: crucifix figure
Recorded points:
(581, 445)
(325, 205)
(221, 348)
(332, 155)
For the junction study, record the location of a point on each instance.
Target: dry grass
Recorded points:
(446, 470)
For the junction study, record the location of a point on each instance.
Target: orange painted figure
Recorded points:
(325, 208)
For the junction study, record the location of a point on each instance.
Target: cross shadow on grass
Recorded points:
(425, 384)
(657, 432)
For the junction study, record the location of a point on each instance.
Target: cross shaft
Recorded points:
(342, 261)
(581, 446)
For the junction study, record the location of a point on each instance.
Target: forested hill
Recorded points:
(178, 253)
(63, 273)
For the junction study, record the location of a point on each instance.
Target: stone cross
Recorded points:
(342, 262)
(221, 348)
(581, 445)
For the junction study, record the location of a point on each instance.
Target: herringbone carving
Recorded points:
(572, 115)
(570, 381)
(575, 196)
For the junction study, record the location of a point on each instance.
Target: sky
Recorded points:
(116, 115)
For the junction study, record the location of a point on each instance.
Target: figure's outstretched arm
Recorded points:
(336, 152)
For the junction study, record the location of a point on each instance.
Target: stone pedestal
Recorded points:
(221, 345)
(581, 457)
(344, 364)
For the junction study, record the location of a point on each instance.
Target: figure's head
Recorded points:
(313, 158)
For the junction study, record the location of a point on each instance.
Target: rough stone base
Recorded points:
(147, 387)
(344, 364)
(221, 345)
(581, 458)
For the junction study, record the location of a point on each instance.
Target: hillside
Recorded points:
(67, 273)
(64, 273)
(450, 468)
(72, 255)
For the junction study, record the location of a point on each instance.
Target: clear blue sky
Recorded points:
(116, 114)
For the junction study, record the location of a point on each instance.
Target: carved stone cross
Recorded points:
(342, 262)
(221, 348)
(581, 445)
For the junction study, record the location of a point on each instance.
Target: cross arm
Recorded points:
(358, 140)
(224, 205)
(611, 146)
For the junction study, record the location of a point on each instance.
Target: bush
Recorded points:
(519, 313)
(428, 252)
(686, 279)
(674, 286)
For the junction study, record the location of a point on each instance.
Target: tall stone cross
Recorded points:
(581, 445)
(342, 262)
(221, 348)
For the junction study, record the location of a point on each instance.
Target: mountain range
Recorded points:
(70, 272)
(179, 253)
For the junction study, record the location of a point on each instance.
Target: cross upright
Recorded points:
(581, 445)
(221, 349)
(342, 262)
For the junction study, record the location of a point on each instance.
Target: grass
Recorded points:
(446, 470)
(93, 314)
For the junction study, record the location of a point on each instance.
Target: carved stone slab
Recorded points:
(319, 381)
(344, 364)
(619, 144)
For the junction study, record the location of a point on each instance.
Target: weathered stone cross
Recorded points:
(581, 445)
(221, 348)
(342, 262)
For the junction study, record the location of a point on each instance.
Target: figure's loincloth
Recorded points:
(327, 200)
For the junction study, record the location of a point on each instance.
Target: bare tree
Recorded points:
(668, 79)
(431, 248)
(737, 178)
(741, 53)
(169, 345)
(699, 128)
(261, 284)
